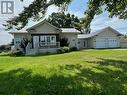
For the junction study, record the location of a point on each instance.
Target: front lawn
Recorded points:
(88, 72)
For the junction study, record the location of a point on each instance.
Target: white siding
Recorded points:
(81, 43)
(123, 42)
(45, 29)
(90, 42)
(105, 38)
(72, 39)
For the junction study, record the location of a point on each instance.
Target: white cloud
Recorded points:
(51, 9)
(103, 21)
(5, 38)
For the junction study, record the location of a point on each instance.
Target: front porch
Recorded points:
(42, 47)
(42, 43)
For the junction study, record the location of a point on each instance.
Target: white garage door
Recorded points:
(106, 43)
(113, 43)
(101, 43)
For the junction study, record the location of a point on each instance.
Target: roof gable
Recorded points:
(41, 23)
(98, 32)
(112, 30)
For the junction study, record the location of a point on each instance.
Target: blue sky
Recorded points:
(77, 7)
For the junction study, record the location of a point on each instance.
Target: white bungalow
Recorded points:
(44, 37)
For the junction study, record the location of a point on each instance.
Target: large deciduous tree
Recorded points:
(37, 10)
(63, 20)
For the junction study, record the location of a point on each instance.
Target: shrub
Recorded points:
(64, 42)
(63, 50)
(60, 51)
(5, 48)
(16, 53)
(66, 49)
(73, 49)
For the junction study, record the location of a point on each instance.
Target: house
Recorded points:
(44, 37)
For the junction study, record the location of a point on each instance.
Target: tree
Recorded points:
(63, 20)
(64, 42)
(24, 44)
(37, 10)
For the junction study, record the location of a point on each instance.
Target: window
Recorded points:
(48, 39)
(42, 38)
(53, 40)
(17, 41)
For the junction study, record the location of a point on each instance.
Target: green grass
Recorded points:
(88, 72)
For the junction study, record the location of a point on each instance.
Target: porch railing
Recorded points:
(49, 45)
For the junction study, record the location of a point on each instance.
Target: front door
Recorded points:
(85, 44)
(35, 41)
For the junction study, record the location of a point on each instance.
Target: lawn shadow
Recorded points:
(37, 55)
(106, 62)
(1, 69)
(22, 82)
(84, 82)
(106, 82)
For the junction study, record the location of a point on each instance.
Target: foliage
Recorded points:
(5, 47)
(64, 42)
(73, 49)
(24, 44)
(16, 53)
(63, 20)
(116, 8)
(63, 50)
(91, 72)
(37, 10)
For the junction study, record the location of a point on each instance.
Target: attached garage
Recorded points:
(105, 38)
(107, 43)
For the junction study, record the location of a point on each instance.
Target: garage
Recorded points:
(104, 38)
(106, 43)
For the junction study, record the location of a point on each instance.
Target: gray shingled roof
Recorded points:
(64, 30)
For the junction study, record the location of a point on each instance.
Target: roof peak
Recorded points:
(41, 22)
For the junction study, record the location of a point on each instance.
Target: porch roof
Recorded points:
(22, 31)
(70, 30)
(64, 30)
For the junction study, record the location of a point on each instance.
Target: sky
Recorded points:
(77, 7)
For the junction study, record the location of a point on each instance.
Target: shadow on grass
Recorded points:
(37, 55)
(106, 62)
(84, 82)
(1, 69)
